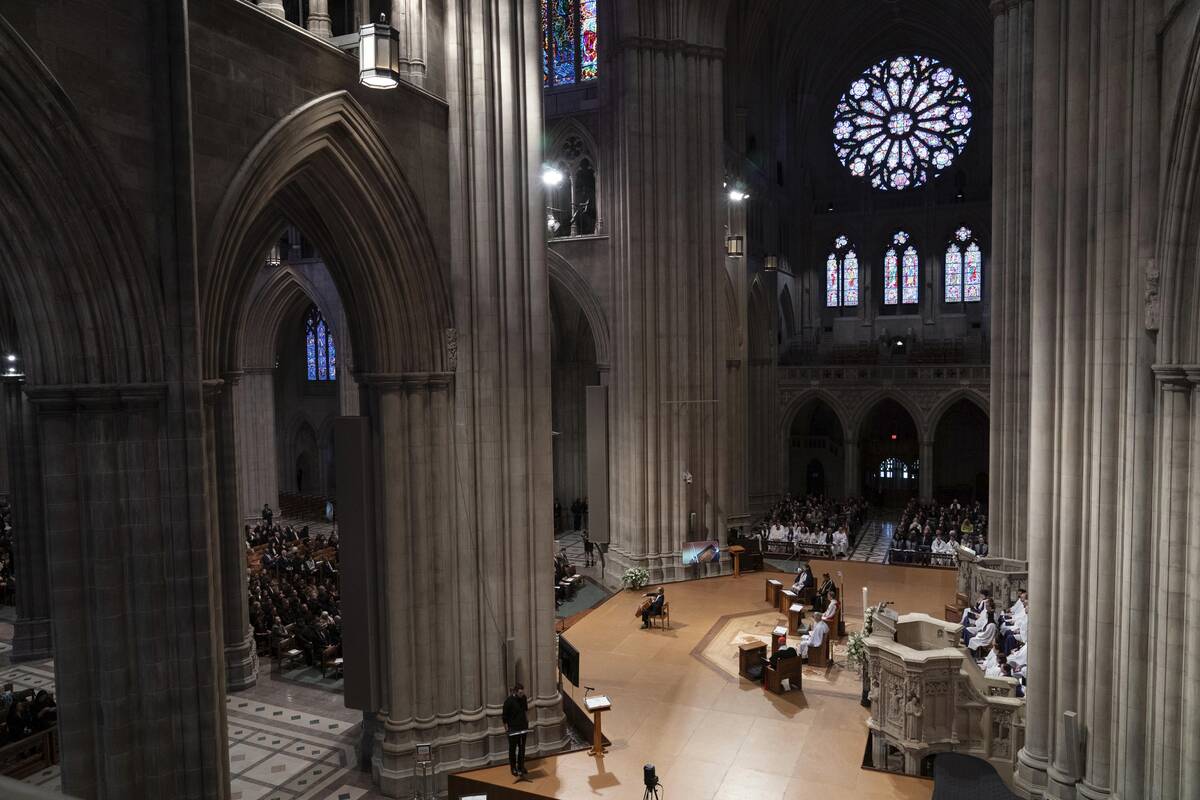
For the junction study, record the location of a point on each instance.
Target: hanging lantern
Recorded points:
(379, 55)
(735, 246)
(771, 262)
(274, 255)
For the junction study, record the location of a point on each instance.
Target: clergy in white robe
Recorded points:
(1017, 658)
(814, 638)
(984, 638)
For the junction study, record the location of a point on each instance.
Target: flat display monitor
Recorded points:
(704, 552)
(568, 660)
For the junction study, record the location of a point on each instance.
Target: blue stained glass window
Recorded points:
(569, 38)
(319, 352)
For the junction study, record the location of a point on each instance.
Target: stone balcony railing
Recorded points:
(885, 374)
(929, 697)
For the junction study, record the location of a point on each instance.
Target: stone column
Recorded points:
(241, 657)
(136, 649)
(318, 22)
(925, 476)
(32, 634)
(408, 17)
(1189, 783)
(257, 459)
(1033, 758)
(670, 327)
(1008, 276)
(1169, 625)
(431, 599)
(854, 487)
(274, 7)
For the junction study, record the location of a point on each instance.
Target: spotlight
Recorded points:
(736, 195)
(11, 357)
(552, 176)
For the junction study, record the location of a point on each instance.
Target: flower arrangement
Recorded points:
(856, 644)
(635, 578)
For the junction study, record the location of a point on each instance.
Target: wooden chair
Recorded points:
(328, 656)
(822, 656)
(664, 618)
(790, 668)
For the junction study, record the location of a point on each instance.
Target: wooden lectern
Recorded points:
(773, 589)
(597, 705)
(795, 618)
(736, 551)
(787, 598)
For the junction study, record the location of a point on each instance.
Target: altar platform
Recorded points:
(678, 702)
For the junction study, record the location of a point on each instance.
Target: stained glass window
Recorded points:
(964, 268)
(319, 352)
(911, 275)
(891, 277)
(841, 275)
(568, 42)
(902, 122)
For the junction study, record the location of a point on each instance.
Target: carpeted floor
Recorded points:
(960, 777)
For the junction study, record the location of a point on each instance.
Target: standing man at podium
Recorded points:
(516, 725)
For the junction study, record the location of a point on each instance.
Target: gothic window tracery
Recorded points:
(901, 272)
(841, 275)
(571, 204)
(964, 268)
(902, 122)
(320, 354)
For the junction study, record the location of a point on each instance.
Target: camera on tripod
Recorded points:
(650, 778)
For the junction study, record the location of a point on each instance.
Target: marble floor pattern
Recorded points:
(276, 752)
(876, 540)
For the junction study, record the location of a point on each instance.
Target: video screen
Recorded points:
(701, 552)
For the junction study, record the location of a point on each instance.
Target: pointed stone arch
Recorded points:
(368, 226)
(874, 399)
(566, 276)
(1172, 284)
(80, 286)
(934, 417)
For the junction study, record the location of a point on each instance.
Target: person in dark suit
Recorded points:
(655, 609)
(267, 515)
(823, 593)
(516, 721)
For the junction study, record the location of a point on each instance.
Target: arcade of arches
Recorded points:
(676, 274)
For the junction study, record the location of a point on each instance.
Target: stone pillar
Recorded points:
(32, 634)
(136, 648)
(1169, 625)
(925, 475)
(408, 17)
(854, 487)
(1033, 758)
(426, 641)
(274, 7)
(1189, 783)
(241, 657)
(258, 456)
(669, 302)
(318, 22)
(1008, 276)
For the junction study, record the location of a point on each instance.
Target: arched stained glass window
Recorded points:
(319, 351)
(902, 122)
(841, 275)
(964, 268)
(568, 42)
(901, 272)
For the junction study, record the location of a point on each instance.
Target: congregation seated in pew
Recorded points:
(294, 592)
(814, 526)
(930, 534)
